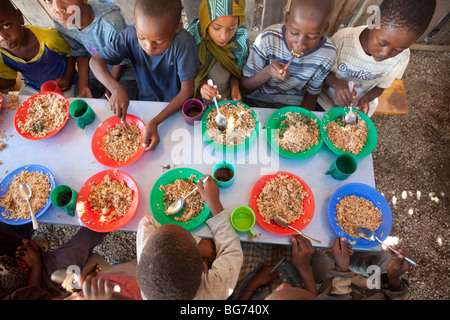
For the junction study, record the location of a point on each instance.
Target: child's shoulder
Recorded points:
(44, 34)
(106, 13)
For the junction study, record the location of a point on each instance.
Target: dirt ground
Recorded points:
(411, 164)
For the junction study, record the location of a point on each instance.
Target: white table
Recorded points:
(68, 156)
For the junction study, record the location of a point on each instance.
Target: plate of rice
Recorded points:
(114, 146)
(41, 116)
(108, 200)
(285, 194)
(358, 205)
(13, 209)
(242, 127)
(294, 132)
(175, 184)
(359, 140)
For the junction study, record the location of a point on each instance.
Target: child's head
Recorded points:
(157, 22)
(63, 11)
(220, 19)
(402, 23)
(170, 265)
(306, 22)
(11, 31)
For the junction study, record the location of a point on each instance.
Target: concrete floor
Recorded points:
(411, 164)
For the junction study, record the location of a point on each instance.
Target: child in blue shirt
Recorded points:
(98, 24)
(39, 54)
(266, 82)
(164, 59)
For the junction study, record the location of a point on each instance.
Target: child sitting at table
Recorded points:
(98, 24)
(374, 56)
(39, 54)
(164, 59)
(267, 82)
(222, 46)
(170, 265)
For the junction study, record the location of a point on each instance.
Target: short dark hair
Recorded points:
(160, 8)
(414, 15)
(169, 268)
(7, 7)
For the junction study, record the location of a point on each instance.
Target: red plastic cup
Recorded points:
(51, 86)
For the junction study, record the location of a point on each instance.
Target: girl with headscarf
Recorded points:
(222, 46)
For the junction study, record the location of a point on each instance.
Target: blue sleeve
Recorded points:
(120, 48)
(187, 57)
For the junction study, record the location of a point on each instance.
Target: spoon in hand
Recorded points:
(283, 223)
(371, 236)
(25, 192)
(177, 205)
(221, 120)
(350, 117)
(295, 54)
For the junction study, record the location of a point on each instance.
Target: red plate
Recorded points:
(100, 132)
(22, 112)
(300, 224)
(90, 219)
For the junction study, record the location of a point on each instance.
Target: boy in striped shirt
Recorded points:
(266, 82)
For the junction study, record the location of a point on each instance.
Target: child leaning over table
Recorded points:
(164, 61)
(373, 57)
(266, 83)
(170, 264)
(97, 25)
(39, 54)
(222, 46)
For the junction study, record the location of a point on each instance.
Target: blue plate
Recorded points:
(369, 193)
(8, 179)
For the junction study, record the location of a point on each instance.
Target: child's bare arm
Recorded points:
(309, 102)
(342, 94)
(273, 71)
(235, 89)
(151, 138)
(65, 82)
(363, 102)
(119, 97)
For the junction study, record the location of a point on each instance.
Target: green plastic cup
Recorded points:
(64, 197)
(82, 113)
(223, 173)
(243, 219)
(343, 167)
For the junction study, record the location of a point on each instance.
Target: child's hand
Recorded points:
(209, 92)
(210, 193)
(363, 104)
(119, 102)
(29, 253)
(342, 94)
(85, 93)
(277, 71)
(396, 267)
(341, 252)
(301, 257)
(64, 83)
(151, 137)
(236, 94)
(263, 277)
(95, 288)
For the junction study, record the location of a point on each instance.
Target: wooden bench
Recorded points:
(393, 100)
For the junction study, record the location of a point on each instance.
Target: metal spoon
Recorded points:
(25, 192)
(350, 117)
(370, 235)
(177, 205)
(295, 54)
(221, 120)
(283, 223)
(125, 124)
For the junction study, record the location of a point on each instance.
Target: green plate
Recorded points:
(274, 122)
(335, 113)
(157, 196)
(247, 142)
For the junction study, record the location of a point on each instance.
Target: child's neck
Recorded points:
(29, 48)
(87, 16)
(363, 40)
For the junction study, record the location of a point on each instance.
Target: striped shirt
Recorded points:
(306, 74)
